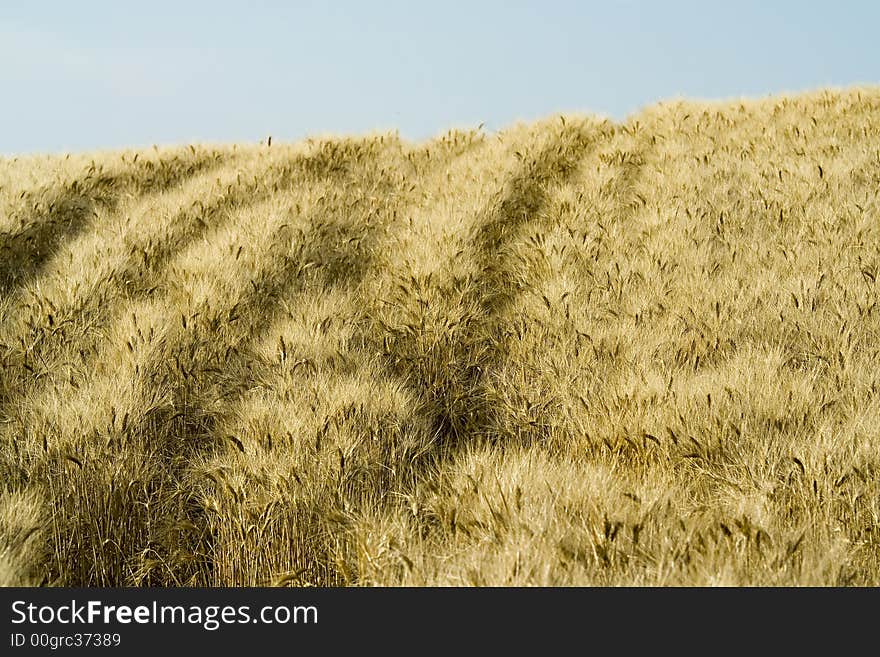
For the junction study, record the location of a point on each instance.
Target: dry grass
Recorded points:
(574, 352)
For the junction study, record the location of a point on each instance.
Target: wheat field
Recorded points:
(573, 352)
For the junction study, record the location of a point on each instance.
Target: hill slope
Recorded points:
(574, 352)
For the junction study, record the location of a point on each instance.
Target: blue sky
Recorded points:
(86, 75)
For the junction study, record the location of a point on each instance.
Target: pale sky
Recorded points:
(86, 75)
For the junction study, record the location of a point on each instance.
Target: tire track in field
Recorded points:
(344, 250)
(334, 250)
(294, 534)
(141, 270)
(188, 371)
(41, 329)
(448, 381)
(459, 399)
(521, 272)
(59, 214)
